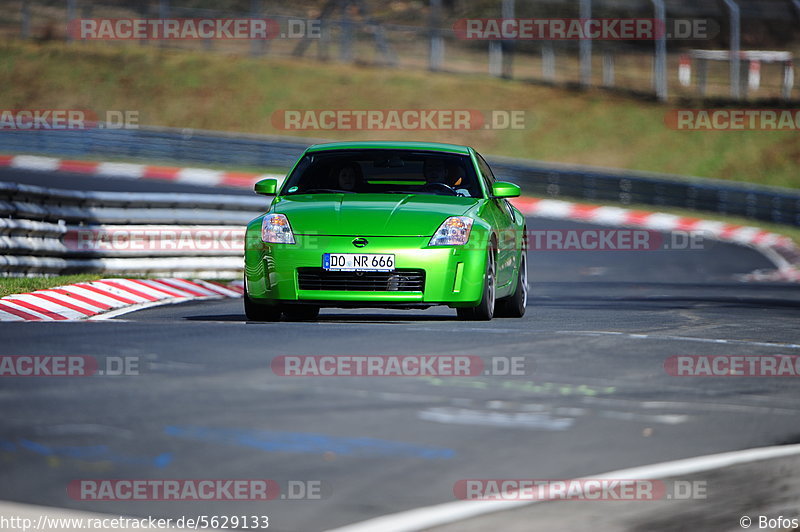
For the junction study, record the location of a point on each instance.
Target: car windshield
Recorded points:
(384, 172)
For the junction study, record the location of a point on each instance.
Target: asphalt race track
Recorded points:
(596, 396)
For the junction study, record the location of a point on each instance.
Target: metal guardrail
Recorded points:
(155, 143)
(46, 231)
(770, 204)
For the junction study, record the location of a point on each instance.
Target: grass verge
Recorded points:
(237, 93)
(21, 285)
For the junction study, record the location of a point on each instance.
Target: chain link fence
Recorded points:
(428, 35)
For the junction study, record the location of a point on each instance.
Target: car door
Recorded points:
(502, 217)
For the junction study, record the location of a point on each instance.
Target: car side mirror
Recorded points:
(266, 187)
(504, 189)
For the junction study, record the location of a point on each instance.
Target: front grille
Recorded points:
(396, 281)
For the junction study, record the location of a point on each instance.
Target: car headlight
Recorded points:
(453, 232)
(275, 229)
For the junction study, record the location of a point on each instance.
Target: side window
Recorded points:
(486, 173)
(489, 178)
(298, 173)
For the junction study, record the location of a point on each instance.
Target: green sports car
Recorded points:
(390, 225)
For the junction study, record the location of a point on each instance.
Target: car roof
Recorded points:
(390, 145)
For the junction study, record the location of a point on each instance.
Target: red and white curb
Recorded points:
(780, 249)
(107, 298)
(191, 176)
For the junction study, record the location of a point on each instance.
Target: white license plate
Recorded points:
(357, 262)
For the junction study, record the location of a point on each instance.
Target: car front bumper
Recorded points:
(453, 275)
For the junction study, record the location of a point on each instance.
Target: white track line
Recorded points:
(641, 336)
(450, 512)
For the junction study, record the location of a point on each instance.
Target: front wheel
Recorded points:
(257, 312)
(485, 309)
(514, 305)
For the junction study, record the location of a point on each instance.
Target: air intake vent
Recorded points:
(396, 281)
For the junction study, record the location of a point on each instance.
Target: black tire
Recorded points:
(258, 312)
(485, 309)
(514, 305)
(301, 312)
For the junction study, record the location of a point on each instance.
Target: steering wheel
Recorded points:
(439, 187)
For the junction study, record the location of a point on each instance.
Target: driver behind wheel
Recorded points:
(435, 171)
(456, 178)
(455, 175)
(349, 177)
(449, 175)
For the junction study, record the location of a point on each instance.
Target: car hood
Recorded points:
(370, 214)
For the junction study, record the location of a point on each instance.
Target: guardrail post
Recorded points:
(257, 46)
(660, 58)
(735, 46)
(507, 11)
(585, 50)
(702, 74)
(436, 51)
(608, 68)
(208, 44)
(495, 59)
(324, 39)
(163, 13)
(70, 18)
(548, 61)
(346, 28)
(685, 70)
(788, 80)
(25, 28)
(754, 75)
